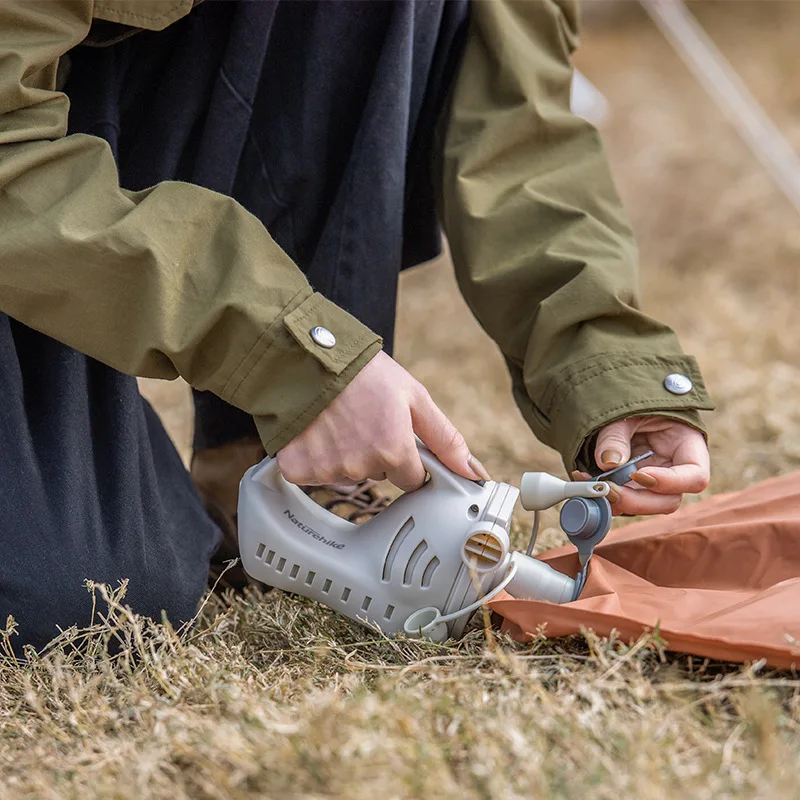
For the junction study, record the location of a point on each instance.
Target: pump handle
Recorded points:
(440, 476)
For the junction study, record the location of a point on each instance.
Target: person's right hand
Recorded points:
(368, 432)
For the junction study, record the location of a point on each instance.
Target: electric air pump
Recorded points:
(424, 564)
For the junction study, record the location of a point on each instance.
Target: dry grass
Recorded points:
(274, 697)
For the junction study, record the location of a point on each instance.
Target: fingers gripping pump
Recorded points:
(428, 561)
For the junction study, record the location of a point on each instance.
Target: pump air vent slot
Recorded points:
(419, 550)
(427, 576)
(260, 550)
(395, 546)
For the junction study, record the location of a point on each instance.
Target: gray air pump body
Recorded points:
(423, 565)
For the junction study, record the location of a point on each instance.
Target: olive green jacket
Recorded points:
(179, 280)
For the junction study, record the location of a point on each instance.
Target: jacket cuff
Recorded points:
(288, 377)
(621, 386)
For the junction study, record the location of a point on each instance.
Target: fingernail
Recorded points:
(576, 475)
(643, 479)
(613, 495)
(612, 457)
(478, 468)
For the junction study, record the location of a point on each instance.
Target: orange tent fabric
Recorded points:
(721, 578)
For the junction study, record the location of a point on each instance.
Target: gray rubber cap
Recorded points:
(586, 521)
(580, 518)
(622, 474)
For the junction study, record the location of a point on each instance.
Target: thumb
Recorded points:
(613, 445)
(443, 439)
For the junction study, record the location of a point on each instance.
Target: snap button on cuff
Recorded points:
(323, 337)
(677, 383)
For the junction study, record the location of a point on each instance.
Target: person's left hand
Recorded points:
(680, 464)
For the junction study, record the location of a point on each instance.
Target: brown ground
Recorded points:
(279, 699)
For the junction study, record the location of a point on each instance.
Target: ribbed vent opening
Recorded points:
(483, 550)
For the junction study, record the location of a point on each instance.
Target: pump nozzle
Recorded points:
(535, 580)
(538, 490)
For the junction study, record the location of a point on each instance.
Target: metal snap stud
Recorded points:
(323, 337)
(677, 383)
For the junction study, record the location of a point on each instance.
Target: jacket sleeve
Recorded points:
(543, 253)
(174, 280)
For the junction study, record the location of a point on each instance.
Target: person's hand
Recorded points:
(680, 464)
(368, 432)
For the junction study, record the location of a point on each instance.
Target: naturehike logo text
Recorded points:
(311, 532)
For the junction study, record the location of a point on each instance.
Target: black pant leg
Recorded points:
(92, 487)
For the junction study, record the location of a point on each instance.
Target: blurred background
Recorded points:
(719, 247)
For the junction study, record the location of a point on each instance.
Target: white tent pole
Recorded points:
(725, 87)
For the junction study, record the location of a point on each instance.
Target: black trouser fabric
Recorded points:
(92, 487)
(318, 117)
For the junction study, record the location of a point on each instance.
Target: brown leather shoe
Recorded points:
(357, 503)
(216, 473)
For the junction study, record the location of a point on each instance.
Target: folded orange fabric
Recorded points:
(720, 578)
